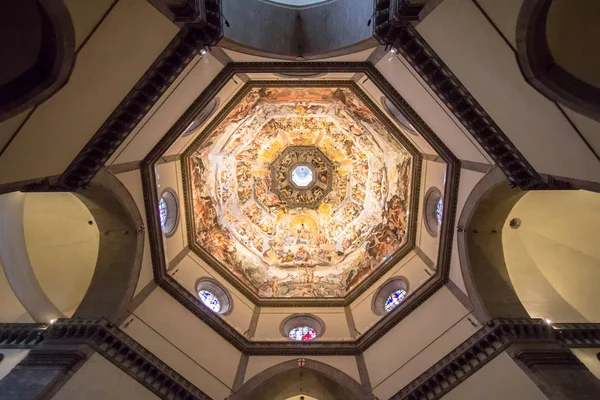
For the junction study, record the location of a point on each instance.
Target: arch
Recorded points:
(487, 284)
(539, 66)
(112, 281)
(43, 33)
(527, 254)
(342, 384)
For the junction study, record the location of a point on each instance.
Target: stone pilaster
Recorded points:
(43, 372)
(556, 371)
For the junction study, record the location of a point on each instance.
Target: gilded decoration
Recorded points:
(300, 192)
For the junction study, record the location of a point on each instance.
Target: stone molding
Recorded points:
(191, 302)
(146, 92)
(494, 338)
(106, 339)
(539, 344)
(392, 28)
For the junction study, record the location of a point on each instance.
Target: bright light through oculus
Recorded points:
(302, 176)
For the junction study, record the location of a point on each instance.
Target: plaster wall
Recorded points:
(411, 268)
(228, 91)
(86, 14)
(169, 108)
(133, 182)
(553, 258)
(336, 325)
(107, 67)
(61, 243)
(114, 383)
(375, 94)
(504, 15)
(429, 107)
(192, 268)
(534, 124)
(168, 175)
(417, 342)
(500, 379)
(185, 343)
(346, 364)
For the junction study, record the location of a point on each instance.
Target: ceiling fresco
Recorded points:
(300, 191)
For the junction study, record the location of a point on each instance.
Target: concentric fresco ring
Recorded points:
(318, 233)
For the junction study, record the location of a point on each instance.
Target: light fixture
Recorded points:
(52, 321)
(393, 53)
(548, 321)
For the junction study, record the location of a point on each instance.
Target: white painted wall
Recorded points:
(417, 342)
(411, 267)
(99, 379)
(491, 73)
(192, 268)
(107, 67)
(169, 108)
(500, 379)
(429, 107)
(185, 343)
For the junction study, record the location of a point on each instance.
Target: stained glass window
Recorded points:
(209, 300)
(394, 299)
(302, 333)
(439, 211)
(162, 209)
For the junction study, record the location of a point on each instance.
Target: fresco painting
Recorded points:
(325, 242)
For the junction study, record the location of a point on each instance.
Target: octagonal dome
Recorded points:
(299, 192)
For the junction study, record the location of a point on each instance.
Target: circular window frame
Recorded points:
(203, 116)
(296, 320)
(172, 202)
(432, 197)
(213, 286)
(397, 115)
(385, 290)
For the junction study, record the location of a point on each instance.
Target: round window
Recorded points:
(433, 210)
(202, 117)
(389, 295)
(210, 300)
(168, 212)
(397, 115)
(302, 327)
(302, 333)
(394, 299)
(214, 296)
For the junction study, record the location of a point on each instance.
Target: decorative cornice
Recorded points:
(106, 339)
(18, 336)
(458, 365)
(189, 300)
(390, 29)
(493, 339)
(146, 92)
